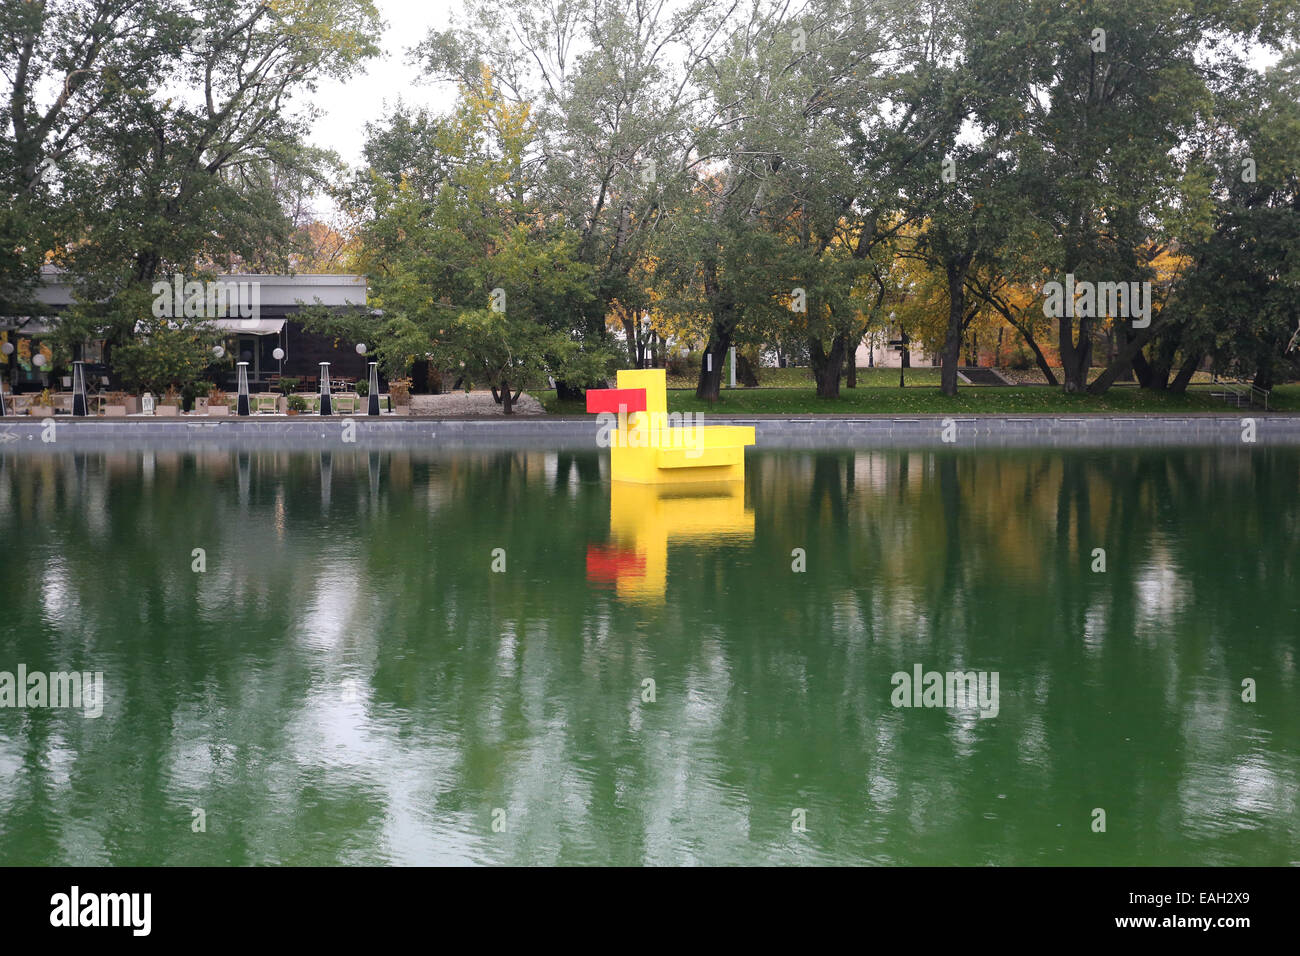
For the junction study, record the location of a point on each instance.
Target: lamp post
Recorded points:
(325, 407)
(80, 406)
(372, 403)
(241, 403)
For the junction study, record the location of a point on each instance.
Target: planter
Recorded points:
(41, 411)
(168, 411)
(218, 410)
(292, 412)
(115, 411)
(401, 409)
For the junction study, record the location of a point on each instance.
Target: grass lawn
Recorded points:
(927, 400)
(803, 378)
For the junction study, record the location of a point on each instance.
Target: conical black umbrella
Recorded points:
(325, 406)
(80, 407)
(242, 402)
(373, 403)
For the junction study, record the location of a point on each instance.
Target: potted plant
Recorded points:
(297, 404)
(114, 405)
(363, 388)
(218, 404)
(287, 385)
(194, 395)
(399, 391)
(170, 406)
(43, 405)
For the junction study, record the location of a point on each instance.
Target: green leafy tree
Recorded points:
(470, 272)
(167, 353)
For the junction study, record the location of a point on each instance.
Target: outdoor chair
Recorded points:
(266, 404)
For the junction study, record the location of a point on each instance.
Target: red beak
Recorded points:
(608, 563)
(616, 400)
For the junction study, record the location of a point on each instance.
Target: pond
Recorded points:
(493, 656)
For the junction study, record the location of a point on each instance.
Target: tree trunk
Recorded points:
(1076, 360)
(1126, 357)
(507, 403)
(827, 365)
(745, 374)
(1185, 373)
(1142, 369)
(566, 392)
(1039, 358)
(633, 346)
(851, 372)
(956, 316)
(710, 382)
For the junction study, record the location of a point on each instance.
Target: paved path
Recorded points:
(470, 405)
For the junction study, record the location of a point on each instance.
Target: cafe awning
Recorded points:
(250, 326)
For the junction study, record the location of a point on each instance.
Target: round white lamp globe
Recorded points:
(7, 348)
(218, 351)
(38, 360)
(278, 355)
(361, 348)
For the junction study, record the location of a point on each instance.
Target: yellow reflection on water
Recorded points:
(643, 519)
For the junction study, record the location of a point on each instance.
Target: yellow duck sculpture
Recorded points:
(647, 450)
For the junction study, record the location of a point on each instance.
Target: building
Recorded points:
(253, 339)
(875, 351)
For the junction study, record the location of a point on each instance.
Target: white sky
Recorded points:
(347, 107)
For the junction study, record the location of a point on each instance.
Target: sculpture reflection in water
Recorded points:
(644, 519)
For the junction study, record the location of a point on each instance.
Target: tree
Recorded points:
(471, 273)
(616, 118)
(194, 173)
(167, 353)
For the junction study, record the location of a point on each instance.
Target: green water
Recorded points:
(350, 681)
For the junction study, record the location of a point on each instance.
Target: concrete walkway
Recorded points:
(958, 433)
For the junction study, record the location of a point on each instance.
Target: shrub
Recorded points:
(400, 390)
(1021, 360)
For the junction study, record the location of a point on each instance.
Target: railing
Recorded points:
(1246, 393)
